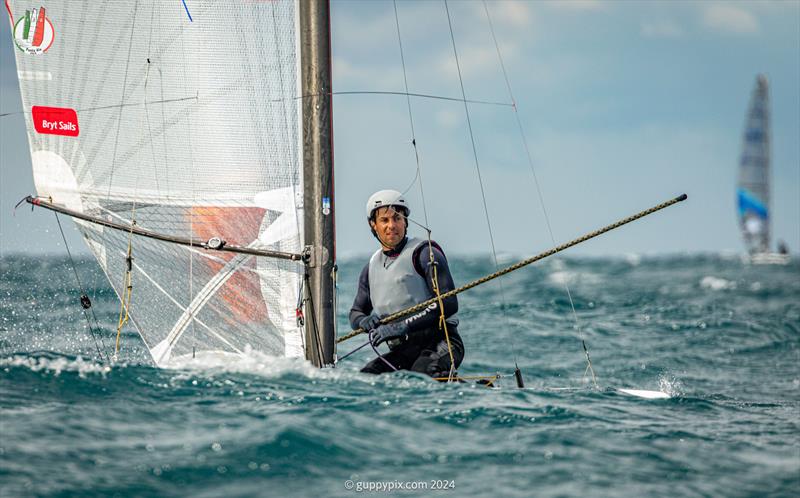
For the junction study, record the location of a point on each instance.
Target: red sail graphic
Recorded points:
(242, 292)
(38, 35)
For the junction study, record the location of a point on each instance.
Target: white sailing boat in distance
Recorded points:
(753, 189)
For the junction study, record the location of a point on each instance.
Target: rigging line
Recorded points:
(409, 94)
(475, 156)
(317, 336)
(83, 294)
(523, 263)
(119, 118)
(418, 175)
(300, 97)
(150, 134)
(127, 289)
(115, 106)
(536, 183)
(191, 177)
(378, 353)
(146, 108)
(298, 311)
(442, 318)
(353, 351)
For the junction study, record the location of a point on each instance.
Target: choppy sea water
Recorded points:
(721, 337)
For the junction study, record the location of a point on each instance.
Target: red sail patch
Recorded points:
(55, 121)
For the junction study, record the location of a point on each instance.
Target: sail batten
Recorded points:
(192, 129)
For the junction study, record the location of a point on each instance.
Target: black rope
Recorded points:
(477, 167)
(119, 124)
(310, 301)
(418, 175)
(419, 95)
(353, 351)
(536, 184)
(86, 304)
(380, 356)
(114, 106)
(278, 101)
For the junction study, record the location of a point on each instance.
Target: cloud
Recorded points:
(729, 19)
(577, 5)
(507, 14)
(661, 29)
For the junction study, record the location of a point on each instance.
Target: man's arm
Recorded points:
(429, 317)
(362, 305)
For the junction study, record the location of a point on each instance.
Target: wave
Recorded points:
(55, 364)
(716, 283)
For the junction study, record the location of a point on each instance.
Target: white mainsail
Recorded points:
(188, 123)
(753, 188)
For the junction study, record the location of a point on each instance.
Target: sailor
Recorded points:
(400, 275)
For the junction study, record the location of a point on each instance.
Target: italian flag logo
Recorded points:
(33, 32)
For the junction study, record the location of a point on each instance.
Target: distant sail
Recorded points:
(187, 124)
(754, 175)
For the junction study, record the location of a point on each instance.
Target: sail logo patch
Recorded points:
(55, 121)
(33, 32)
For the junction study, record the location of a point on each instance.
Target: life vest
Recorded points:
(395, 284)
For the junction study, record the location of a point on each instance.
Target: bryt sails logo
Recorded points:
(55, 121)
(33, 32)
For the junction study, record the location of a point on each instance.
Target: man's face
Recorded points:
(390, 225)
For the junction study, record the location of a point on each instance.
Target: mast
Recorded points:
(319, 230)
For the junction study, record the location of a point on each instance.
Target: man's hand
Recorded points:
(369, 322)
(387, 332)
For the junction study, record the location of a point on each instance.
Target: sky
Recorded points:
(623, 105)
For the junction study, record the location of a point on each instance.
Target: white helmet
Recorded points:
(385, 198)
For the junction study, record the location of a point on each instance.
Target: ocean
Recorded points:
(721, 337)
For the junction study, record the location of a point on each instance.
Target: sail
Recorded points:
(183, 118)
(753, 188)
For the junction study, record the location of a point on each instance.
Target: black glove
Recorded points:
(387, 332)
(369, 322)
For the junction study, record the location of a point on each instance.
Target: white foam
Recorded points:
(56, 365)
(716, 283)
(249, 361)
(571, 277)
(671, 386)
(640, 393)
(633, 259)
(562, 277)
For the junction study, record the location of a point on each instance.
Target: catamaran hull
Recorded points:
(768, 258)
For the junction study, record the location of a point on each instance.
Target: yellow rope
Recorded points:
(125, 301)
(490, 379)
(125, 298)
(442, 318)
(517, 266)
